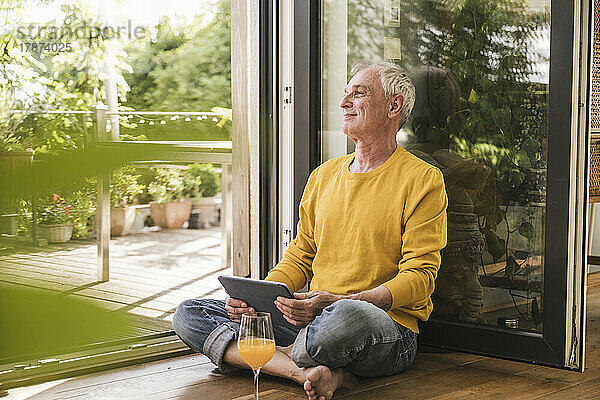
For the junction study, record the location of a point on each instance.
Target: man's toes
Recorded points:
(308, 386)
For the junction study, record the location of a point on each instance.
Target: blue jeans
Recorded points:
(348, 333)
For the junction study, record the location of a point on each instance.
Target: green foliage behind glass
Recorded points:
(124, 187)
(201, 180)
(167, 185)
(184, 69)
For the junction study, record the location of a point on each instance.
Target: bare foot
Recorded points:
(286, 350)
(321, 382)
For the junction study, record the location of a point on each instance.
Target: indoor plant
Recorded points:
(124, 189)
(55, 220)
(169, 209)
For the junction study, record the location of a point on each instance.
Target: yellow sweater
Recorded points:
(358, 231)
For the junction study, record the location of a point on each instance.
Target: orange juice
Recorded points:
(256, 352)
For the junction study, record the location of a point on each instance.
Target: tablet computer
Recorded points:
(259, 295)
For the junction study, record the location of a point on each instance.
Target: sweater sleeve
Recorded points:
(295, 268)
(423, 237)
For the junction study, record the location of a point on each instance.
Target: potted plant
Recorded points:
(169, 209)
(201, 184)
(54, 220)
(124, 189)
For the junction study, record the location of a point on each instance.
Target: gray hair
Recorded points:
(394, 81)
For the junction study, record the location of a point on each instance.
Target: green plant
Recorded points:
(124, 187)
(9, 142)
(201, 180)
(55, 210)
(167, 185)
(84, 206)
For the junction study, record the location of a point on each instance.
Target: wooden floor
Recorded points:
(433, 376)
(150, 272)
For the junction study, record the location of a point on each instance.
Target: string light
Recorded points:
(199, 117)
(163, 122)
(142, 121)
(151, 123)
(215, 119)
(188, 119)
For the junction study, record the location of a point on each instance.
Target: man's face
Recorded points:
(364, 105)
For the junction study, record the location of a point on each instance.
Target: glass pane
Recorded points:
(163, 70)
(481, 69)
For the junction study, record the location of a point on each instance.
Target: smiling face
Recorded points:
(364, 105)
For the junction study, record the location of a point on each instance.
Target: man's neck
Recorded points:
(369, 156)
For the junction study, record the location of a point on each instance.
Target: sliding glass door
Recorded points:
(501, 111)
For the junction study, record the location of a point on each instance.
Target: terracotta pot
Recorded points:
(55, 233)
(121, 220)
(171, 215)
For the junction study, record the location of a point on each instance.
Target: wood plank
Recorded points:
(208, 278)
(511, 387)
(188, 367)
(230, 387)
(589, 389)
(124, 267)
(140, 288)
(242, 130)
(273, 394)
(170, 295)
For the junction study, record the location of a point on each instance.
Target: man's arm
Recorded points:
(379, 296)
(307, 306)
(424, 236)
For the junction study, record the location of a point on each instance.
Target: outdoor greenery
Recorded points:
(174, 67)
(479, 62)
(167, 185)
(124, 187)
(185, 68)
(200, 180)
(55, 211)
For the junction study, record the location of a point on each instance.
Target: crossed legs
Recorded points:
(350, 335)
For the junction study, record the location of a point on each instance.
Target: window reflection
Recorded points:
(481, 70)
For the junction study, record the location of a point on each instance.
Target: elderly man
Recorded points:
(371, 228)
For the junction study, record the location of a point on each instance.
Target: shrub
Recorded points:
(166, 186)
(201, 180)
(124, 187)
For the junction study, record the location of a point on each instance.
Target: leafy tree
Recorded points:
(64, 80)
(186, 68)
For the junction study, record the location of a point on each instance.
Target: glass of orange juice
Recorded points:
(256, 343)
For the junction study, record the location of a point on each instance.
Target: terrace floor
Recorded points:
(150, 272)
(432, 376)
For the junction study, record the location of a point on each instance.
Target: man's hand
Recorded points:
(235, 308)
(305, 307)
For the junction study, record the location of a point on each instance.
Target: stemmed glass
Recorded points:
(256, 342)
